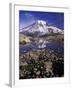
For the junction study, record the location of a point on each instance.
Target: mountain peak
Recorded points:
(41, 22)
(41, 27)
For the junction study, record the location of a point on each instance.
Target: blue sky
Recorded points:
(53, 18)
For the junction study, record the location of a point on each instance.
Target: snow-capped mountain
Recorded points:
(40, 27)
